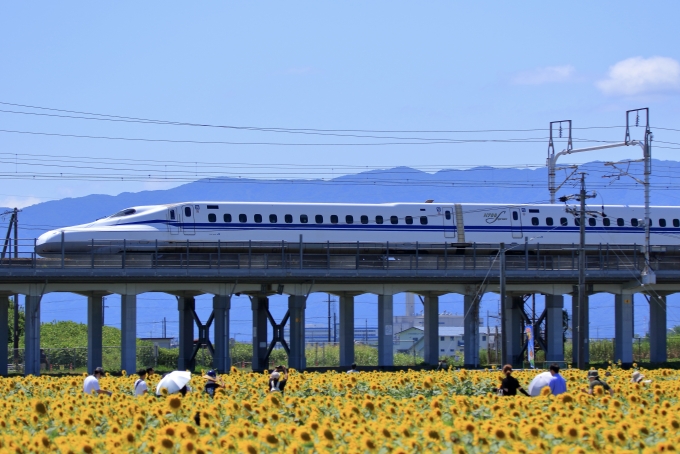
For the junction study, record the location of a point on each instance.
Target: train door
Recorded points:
(449, 223)
(188, 224)
(516, 223)
(173, 221)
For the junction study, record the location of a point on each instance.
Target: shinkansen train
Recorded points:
(167, 227)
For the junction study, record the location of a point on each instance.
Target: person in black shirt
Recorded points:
(509, 384)
(278, 379)
(211, 383)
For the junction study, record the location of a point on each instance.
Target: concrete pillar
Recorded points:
(296, 307)
(512, 325)
(222, 358)
(623, 329)
(128, 333)
(586, 328)
(4, 333)
(471, 331)
(657, 328)
(186, 306)
(95, 323)
(431, 329)
(32, 335)
(260, 306)
(385, 333)
(554, 305)
(346, 329)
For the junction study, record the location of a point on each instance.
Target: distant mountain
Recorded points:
(399, 184)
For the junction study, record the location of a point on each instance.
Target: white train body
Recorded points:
(166, 226)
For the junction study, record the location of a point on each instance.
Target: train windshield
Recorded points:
(126, 212)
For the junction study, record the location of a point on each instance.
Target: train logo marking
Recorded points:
(490, 218)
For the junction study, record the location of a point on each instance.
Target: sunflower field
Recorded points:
(369, 412)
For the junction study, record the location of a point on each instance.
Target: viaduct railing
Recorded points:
(341, 256)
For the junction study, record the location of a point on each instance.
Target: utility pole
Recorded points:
(579, 324)
(335, 328)
(580, 338)
(329, 317)
(504, 335)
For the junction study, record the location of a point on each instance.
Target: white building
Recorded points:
(450, 340)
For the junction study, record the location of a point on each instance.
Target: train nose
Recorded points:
(49, 243)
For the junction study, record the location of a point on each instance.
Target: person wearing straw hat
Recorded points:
(212, 383)
(595, 380)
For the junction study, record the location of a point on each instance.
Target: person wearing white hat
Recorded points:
(637, 377)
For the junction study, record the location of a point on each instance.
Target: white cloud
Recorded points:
(547, 75)
(19, 202)
(637, 75)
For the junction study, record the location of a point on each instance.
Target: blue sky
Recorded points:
(350, 65)
(387, 66)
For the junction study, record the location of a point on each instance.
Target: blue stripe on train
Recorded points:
(401, 227)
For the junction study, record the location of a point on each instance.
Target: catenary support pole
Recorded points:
(221, 309)
(346, 330)
(128, 333)
(431, 329)
(186, 306)
(623, 329)
(297, 304)
(385, 332)
(657, 328)
(94, 332)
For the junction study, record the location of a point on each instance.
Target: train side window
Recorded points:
(634, 222)
(423, 220)
(212, 217)
(378, 219)
(548, 221)
(620, 222)
(172, 215)
(515, 216)
(349, 219)
(273, 219)
(606, 222)
(226, 217)
(534, 221)
(394, 220)
(447, 215)
(304, 219)
(334, 218)
(676, 222)
(288, 218)
(258, 218)
(213, 207)
(577, 222)
(242, 218)
(187, 212)
(662, 222)
(364, 219)
(592, 222)
(409, 220)
(319, 219)
(564, 222)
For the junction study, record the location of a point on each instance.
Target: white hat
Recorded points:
(275, 375)
(637, 377)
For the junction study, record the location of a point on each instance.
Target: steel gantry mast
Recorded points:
(647, 275)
